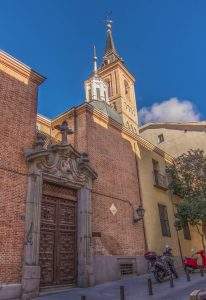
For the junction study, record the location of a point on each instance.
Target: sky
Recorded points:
(163, 43)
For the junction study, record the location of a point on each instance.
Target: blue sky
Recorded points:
(163, 43)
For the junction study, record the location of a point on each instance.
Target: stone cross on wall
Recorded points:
(65, 131)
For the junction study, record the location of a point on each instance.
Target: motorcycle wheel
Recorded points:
(174, 272)
(159, 276)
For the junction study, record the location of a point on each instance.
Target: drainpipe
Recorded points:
(141, 201)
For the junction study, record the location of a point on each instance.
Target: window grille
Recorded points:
(186, 232)
(126, 269)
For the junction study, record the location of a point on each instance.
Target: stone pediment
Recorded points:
(61, 162)
(58, 165)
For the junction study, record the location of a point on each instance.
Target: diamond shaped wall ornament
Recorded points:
(113, 209)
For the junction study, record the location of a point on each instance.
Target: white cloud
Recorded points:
(172, 110)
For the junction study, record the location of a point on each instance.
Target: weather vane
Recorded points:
(109, 20)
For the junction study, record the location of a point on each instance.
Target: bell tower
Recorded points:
(95, 87)
(120, 83)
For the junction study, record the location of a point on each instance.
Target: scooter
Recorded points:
(191, 264)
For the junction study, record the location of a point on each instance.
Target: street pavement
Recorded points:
(135, 289)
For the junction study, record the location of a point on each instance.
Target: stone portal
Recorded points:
(58, 230)
(58, 198)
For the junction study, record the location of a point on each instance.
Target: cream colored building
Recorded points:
(176, 138)
(158, 200)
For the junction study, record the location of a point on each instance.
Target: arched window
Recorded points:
(90, 94)
(98, 93)
(126, 89)
(109, 85)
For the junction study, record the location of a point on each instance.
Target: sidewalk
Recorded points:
(135, 289)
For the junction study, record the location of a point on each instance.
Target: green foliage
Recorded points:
(192, 211)
(187, 179)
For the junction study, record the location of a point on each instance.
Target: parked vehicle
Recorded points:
(161, 266)
(191, 263)
(170, 260)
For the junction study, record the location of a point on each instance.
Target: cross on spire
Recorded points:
(109, 41)
(110, 53)
(65, 131)
(109, 20)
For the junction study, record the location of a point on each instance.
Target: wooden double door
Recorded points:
(57, 252)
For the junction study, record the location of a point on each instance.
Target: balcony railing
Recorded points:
(160, 180)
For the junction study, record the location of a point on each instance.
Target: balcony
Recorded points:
(160, 180)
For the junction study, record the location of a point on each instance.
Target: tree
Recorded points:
(187, 179)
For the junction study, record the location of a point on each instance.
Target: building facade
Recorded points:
(72, 192)
(176, 138)
(160, 207)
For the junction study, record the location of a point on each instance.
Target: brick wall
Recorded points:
(17, 126)
(113, 158)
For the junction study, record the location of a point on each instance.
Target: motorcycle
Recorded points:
(170, 260)
(161, 266)
(191, 263)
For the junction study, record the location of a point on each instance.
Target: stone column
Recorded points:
(85, 263)
(31, 270)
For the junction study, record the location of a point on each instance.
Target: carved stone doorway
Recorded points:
(59, 182)
(58, 231)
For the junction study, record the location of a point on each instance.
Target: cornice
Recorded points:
(78, 110)
(20, 68)
(140, 140)
(196, 126)
(63, 115)
(43, 119)
(146, 144)
(86, 107)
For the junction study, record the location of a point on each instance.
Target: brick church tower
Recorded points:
(120, 93)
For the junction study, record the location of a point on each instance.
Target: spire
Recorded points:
(109, 41)
(110, 54)
(95, 88)
(95, 61)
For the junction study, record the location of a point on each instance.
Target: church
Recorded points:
(80, 204)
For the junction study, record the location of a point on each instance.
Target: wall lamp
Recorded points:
(139, 213)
